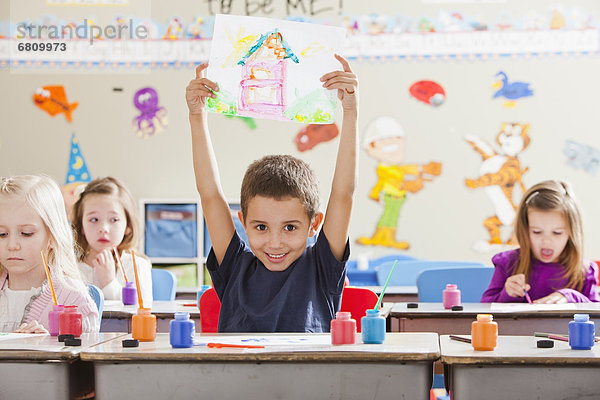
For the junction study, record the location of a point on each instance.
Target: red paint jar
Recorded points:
(343, 329)
(69, 321)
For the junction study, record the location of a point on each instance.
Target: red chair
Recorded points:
(210, 306)
(357, 300)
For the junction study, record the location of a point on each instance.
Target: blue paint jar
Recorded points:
(582, 332)
(373, 327)
(182, 330)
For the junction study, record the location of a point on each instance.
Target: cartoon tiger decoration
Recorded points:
(499, 173)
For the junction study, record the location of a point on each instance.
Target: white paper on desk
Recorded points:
(304, 340)
(11, 335)
(517, 307)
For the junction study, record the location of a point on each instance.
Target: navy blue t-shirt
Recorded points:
(303, 298)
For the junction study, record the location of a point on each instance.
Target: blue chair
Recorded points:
(164, 284)
(368, 277)
(390, 257)
(98, 297)
(471, 281)
(406, 272)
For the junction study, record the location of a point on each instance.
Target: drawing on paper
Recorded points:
(268, 68)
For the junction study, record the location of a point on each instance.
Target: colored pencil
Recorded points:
(137, 281)
(460, 339)
(120, 263)
(49, 279)
(236, 346)
(557, 336)
(527, 297)
(385, 286)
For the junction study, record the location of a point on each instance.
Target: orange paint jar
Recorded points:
(143, 325)
(484, 333)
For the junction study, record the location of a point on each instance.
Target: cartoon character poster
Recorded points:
(268, 68)
(500, 172)
(510, 91)
(53, 100)
(153, 117)
(384, 141)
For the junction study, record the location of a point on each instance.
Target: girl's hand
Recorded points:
(345, 82)
(515, 285)
(552, 298)
(198, 90)
(31, 327)
(104, 267)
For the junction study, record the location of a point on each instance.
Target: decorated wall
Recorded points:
(463, 106)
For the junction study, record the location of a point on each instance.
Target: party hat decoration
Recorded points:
(77, 170)
(77, 175)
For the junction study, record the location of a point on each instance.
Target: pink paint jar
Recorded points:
(343, 329)
(451, 296)
(53, 321)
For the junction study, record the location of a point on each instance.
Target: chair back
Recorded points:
(356, 301)
(406, 272)
(390, 257)
(471, 281)
(98, 297)
(164, 284)
(210, 307)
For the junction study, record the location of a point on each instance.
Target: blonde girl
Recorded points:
(33, 219)
(549, 264)
(105, 216)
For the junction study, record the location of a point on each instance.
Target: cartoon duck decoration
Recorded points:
(53, 100)
(511, 91)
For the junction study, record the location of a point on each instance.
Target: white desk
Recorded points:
(41, 367)
(432, 317)
(400, 368)
(517, 369)
(116, 317)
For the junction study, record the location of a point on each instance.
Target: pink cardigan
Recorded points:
(39, 306)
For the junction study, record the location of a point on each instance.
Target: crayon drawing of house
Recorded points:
(263, 81)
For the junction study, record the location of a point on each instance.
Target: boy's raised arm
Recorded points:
(214, 205)
(339, 207)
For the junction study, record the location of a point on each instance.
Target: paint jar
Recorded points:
(343, 329)
(182, 330)
(362, 262)
(451, 296)
(484, 333)
(143, 325)
(129, 294)
(373, 327)
(53, 319)
(203, 289)
(69, 321)
(582, 332)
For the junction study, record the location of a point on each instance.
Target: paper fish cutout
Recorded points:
(429, 92)
(313, 134)
(511, 91)
(53, 100)
(153, 118)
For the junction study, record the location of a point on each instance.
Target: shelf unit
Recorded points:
(174, 211)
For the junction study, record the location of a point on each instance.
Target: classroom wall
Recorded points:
(443, 221)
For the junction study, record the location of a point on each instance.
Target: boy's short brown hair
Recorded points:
(278, 177)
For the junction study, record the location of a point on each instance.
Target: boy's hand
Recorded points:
(515, 285)
(198, 90)
(104, 267)
(345, 82)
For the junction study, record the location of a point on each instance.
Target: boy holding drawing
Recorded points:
(277, 284)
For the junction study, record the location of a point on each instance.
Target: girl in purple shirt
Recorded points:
(549, 264)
